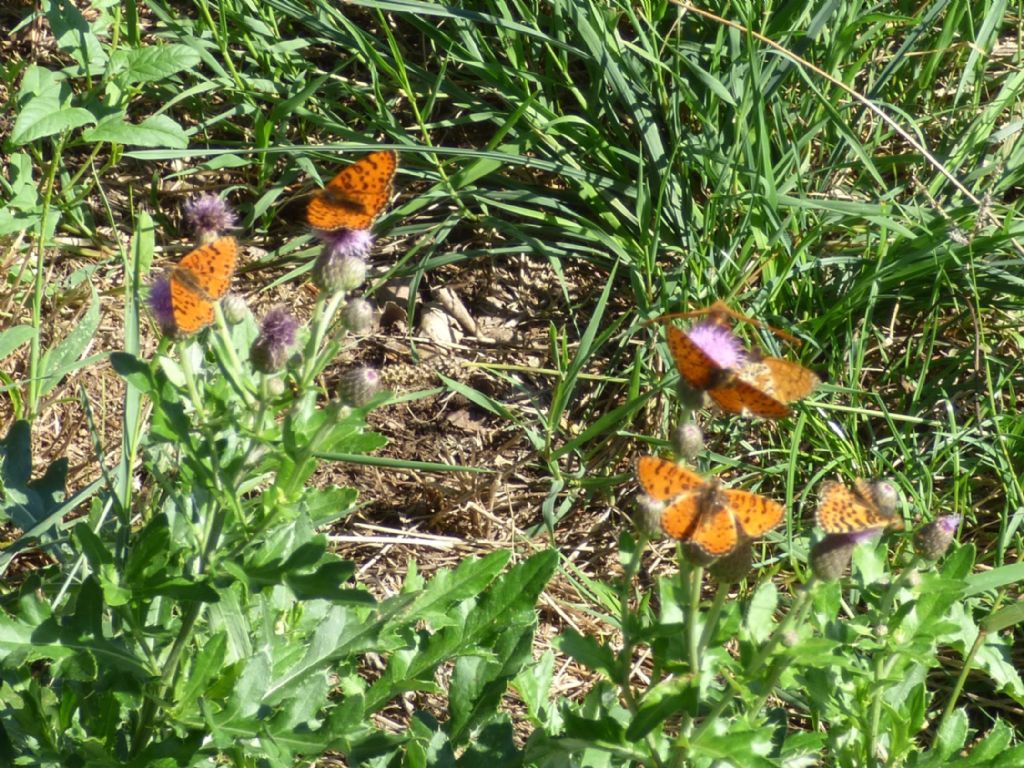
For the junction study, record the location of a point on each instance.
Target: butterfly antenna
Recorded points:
(718, 312)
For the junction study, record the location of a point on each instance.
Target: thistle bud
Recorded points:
(648, 515)
(358, 315)
(358, 386)
(886, 497)
(234, 308)
(734, 566)
(831, 556)
(333, 273)
(933, 539)
(688, 441)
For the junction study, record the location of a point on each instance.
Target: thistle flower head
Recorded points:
(334, 272)
(159, 301)
(346, 242)
(358, 315)
(208, 216)
(831, 556)
(648, 514)
(719, 343)
(271, 349)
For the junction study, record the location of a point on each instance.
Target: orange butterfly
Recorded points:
(356, 196)
(710, 359)
(701, 512)
(853, 510)
(198, 280)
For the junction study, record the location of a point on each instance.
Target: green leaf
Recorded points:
(761, 614)
(66, 356)
(155, 131)
(74, 36)
(952, 736)
(994, 744)
(588, 652)
(990, 581)
(14, 337)
(666, 699)
(534, 686)
(133, 371)
(153, 63)
(1004, 617)
(45, 107)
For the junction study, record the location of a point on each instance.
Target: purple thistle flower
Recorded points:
(159, 301)
(718, 342)
(271, 349)
(346, 242)
(208, 215)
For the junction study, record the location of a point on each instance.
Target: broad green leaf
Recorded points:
(75, 37)
(155, 131)
(45, 107)
(154, 62)
(761, 614)
(952, 736)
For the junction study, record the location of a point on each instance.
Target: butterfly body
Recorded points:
(701, 511)
(356, 195)
(852, 510)
(200, 279)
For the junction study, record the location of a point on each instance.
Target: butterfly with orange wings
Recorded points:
(700, 511)
(355, 197)
(710, 359)
(200, 279)
(854, 510)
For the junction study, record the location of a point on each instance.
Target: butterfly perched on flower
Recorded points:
(198, 280)
(861, 508)
(700, 511)
(356, 196)
(711, 359)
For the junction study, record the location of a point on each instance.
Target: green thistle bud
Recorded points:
(358, 386)
(688, 441)
(831, 556)
(234, 308)
(358, 315)
(932, 540)
(648, 515)
(734, 566)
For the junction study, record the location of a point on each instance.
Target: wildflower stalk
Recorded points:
(323, 314)
(797, 609)
(962, 679)
(630, 568)
(711, 619)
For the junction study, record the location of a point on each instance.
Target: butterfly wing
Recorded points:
(200, 278)
(680, 517)
(791, 380)
(694, 365)
(764, 387)
(842, 510)
(191, 310)
(356, 195)
(664, 480)
(756, 514)
(749, 391)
